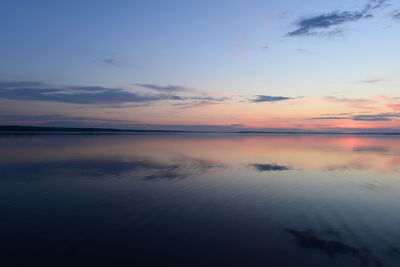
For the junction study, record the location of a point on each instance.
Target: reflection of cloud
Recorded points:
(374, 187)
(186, 167)
(345, 167)
(110, 168)
(308, 239)
(393, 251)
(270, 167)
(391, 165)
(377, 149)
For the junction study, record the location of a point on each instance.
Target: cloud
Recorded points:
(313, 125)
(303, 51)
(38, 91)
(312, 25)
(67, 95)
(105, 96)
(267, 98)
(354, 103)
(394, 106)
(396, 15)
(200, 104)
(110, 61)
(388, 116)
(169, 88)
(270, 167)
(204, 97)
(337, 114)
(376, 117)
(19, 84)
(329, 118)
(376, 80)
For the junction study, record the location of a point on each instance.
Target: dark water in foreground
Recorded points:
(199, 200)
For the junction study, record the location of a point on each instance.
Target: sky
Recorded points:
(226, 65)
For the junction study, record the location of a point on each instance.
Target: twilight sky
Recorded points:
(201, 65)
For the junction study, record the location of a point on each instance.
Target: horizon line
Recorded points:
(45, 129)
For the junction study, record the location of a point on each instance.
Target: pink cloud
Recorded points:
(376, 80)
(354, 103)
(394, 106)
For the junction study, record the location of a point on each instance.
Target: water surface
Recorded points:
(199, 200)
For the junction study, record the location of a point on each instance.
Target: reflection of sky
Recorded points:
(329, 199)
(317, 152)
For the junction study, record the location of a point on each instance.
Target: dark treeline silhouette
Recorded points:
(39, 129)
(67, 129)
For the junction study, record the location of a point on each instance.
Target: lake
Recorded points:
(199, 200)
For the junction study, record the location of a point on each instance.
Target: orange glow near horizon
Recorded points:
(314, 152)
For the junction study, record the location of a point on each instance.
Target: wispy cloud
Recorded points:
(169, 88)
(396, 15)
(38, 91)
(394, 106)
(376, 117)
(200, 104)
(19, 84)
(200, 98)
(376, 80)
(313, 25)
(67, 95)
(388, 116)
(330, 118)
(110, 61)
(268, 98)
(354, 103)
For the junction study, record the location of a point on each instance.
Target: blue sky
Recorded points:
(223, 53)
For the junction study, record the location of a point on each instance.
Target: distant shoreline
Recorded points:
(65, 130)
(39, 129)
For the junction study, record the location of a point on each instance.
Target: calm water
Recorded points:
(199, 200)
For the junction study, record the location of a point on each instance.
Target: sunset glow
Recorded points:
(229, 66)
